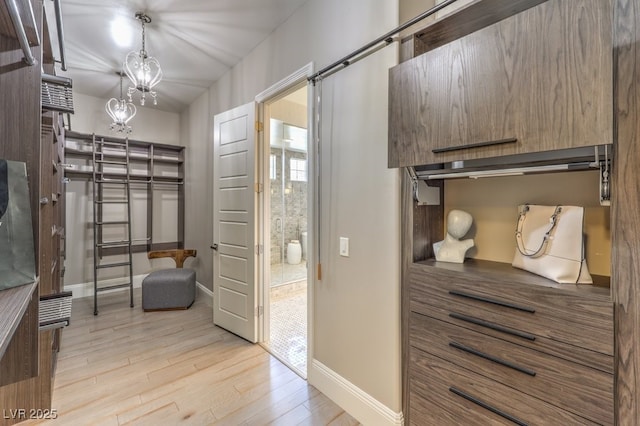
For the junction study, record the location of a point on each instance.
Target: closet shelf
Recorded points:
(138, 178)
(133, 144)
(504, 272)
(168, 160)
(154, 169)
(133, 156)
(13, 305)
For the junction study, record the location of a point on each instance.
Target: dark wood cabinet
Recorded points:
(20, 141)
(513, 330)
(545, 79)
(34, 136)
(578, 317)
(51, 202)
(537, 81)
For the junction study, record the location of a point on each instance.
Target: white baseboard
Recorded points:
(86, 289)
(207, 293)
(359, 404)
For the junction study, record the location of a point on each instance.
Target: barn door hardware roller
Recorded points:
(424, 194)
(604, 164)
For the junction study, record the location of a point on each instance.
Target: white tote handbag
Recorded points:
(549, 242)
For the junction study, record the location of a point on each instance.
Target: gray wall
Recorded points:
(356, 305)
(196, 131)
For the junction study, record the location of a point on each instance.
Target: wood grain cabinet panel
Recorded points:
(540, 80)
(489, 322)
(542, 77)
(511, 330)
(433, 379)
(31, 134)
(569, 386)
(581, 316)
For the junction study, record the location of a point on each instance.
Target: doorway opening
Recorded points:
(286, 220)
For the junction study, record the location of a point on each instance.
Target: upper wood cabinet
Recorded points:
(542, 77)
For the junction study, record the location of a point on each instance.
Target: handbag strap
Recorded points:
(553, 220)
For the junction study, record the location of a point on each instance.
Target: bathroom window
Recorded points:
(272, 167)
(298, 168)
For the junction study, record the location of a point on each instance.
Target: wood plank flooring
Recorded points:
(126, 366)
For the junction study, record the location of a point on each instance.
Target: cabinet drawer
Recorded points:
(564, 314)
(583, 391)
(487, 322)
(508, 81)
(433, 401)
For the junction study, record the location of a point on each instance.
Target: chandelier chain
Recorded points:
(144, 52)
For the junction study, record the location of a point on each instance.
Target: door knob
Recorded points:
(215, 247)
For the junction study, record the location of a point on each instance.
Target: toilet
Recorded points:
(294, 252)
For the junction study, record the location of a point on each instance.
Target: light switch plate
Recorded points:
(344, 246)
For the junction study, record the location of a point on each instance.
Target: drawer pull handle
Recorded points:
(492, 358)
(487, 406)
(474, 145)
(493, 326)
(492, 301)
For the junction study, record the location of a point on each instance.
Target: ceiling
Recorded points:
(195, 41)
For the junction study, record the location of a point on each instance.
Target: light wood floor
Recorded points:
(126, 366)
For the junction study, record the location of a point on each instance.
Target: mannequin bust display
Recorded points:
(452, 249)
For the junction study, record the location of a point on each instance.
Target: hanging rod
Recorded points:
(386, 39)
(58, 10)
(18, 25)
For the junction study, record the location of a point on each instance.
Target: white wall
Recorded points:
(357, 303)
(90, 117)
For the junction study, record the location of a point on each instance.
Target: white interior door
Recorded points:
(234, 222)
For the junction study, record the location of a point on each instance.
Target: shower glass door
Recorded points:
(288, 239)
(288, 175)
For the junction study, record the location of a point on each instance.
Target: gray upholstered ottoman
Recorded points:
(169, 289)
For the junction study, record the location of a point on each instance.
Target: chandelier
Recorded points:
(143, 70)
(120, 111)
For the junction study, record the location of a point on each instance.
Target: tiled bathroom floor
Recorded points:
(288, 322)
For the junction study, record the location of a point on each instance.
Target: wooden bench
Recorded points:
(179, 255)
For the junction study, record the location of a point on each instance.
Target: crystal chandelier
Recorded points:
(121, 112)
(143, 70)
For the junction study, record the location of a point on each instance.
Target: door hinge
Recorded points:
(259, 187)
(259, 310)
(259, 248)
(259, 126)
